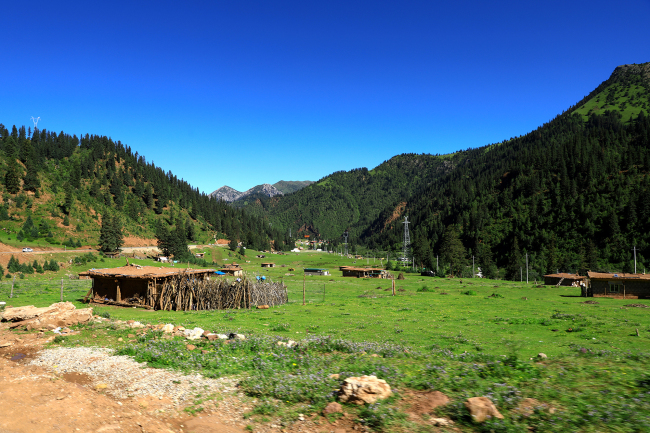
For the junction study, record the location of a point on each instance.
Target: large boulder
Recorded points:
(480, 408)
(59, 314)
(364, 389)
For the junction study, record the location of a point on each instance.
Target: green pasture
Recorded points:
(490, 316)
(470, 337)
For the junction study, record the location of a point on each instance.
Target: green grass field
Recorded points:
(469, 338)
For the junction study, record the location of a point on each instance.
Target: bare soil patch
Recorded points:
(134, 241)
(35, 399)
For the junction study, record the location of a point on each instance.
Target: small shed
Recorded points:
(268, 265)
(233, 269)
(199, 255)
(618, 285)
(316, 271)
(134, 285)
(350, 271)
(563, 279)
(112, 254)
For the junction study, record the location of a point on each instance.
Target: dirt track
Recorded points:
(37, 400)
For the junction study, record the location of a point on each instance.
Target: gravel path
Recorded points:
(122, 377)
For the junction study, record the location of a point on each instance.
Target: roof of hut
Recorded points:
(621, 275)
(566, 276)
(135, 271)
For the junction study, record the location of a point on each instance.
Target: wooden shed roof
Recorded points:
(143, 272)
(351, 268)
(621, 275)
(566, 276)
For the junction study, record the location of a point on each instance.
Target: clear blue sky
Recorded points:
(242, 93)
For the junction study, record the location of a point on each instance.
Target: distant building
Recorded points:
(233, 269)
(563, 279)
(316, 271)
(620, 285)
(350, 271)
(268, 265)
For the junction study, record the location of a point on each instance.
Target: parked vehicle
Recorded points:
(27, 250)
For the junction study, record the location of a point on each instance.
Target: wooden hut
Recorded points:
(563, 279)
(618, 285)
(350, 271)
(134, 285)
(268, 265)
(233, 269)
(316, 271)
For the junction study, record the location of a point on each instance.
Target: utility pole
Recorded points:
(526, 268)
(436, 264)
(521, 274)
(473, 271)
(635, 259)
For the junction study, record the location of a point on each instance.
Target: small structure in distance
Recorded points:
(563, 279)
(350, 271)
(316, 271)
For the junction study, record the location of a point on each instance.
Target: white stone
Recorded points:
(168, 328)
(193, 334)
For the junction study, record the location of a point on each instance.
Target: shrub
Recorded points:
(469, 293)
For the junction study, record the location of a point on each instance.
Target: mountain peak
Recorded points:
(226, 193)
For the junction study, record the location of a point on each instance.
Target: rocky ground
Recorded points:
(90, 390)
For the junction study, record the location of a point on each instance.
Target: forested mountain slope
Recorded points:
(64, 184)
(351, 200)
(574, 194)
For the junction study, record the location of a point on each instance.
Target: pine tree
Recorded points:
(111, 237)
(69, 199)
(162, 238)
(31, 182)
(13, 175)
(159, 206)
(453, 251)
(233, 243)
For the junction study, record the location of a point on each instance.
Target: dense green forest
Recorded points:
(57, 186)
(573, 195)
(350, 200)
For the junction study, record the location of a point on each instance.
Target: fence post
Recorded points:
(323, 292)
(61, 289)
(12, 287)
(304, 281)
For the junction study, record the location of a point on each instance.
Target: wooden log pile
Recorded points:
(184, 293)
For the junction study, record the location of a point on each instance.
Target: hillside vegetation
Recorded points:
(571, 194)
(57, 186)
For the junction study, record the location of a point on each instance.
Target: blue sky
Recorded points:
(243, 93)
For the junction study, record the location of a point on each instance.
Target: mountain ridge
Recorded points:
(229, 194)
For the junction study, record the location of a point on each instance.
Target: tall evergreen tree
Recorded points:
(111, 237)
(453, 251)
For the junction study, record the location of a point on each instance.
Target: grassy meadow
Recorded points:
(465, 338)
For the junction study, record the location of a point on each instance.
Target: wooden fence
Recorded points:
(184, 293)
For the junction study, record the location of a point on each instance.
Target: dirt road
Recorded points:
(37, 400)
